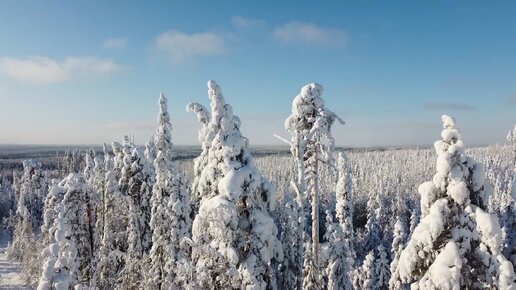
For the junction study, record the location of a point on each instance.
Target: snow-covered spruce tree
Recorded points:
(511, 137)
(98, 175)
(209, 128)
(344, 205)
(134, 270)
(125, 165)
(137, 182)
(510, 222)
(339, 268)
(66, 268)
(108, 159)
(148, 177)
(88, 168)
(373, 233)
(398, 206)
(7, 201)
(53, 198)
(31, 192)
(382, 271)
(457, 243)
(235, 238)
(367, 273)
(170, 215)
(340, 235)
(24, 247)
(312, 143)
(48, 273)
(181, 224)
(80, 205)
(508, 219)
(139, 189)
(397, 246)
(311, 277)
(60, 266)
(113, 245)
(150, 150)
(291, 268)
(102, 168)
(118, 159)
(414, 219)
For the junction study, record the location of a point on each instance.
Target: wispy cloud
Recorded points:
(115, 43)
(439, 106)
(44, 70)
(242, 22)
(310, 34)
(180, 47)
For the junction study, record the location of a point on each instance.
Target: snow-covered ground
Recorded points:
(10, 277)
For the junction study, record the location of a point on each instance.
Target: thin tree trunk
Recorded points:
(315, 214)
(301, 206)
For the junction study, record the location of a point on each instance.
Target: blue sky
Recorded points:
(91, 71)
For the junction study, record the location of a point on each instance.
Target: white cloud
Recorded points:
(246, 23)
(44, 70)
(181, 47)
(309, 33)
(115, 43)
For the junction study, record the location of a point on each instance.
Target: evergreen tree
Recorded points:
(23, 247)
(80, 209)
(339, 268)
(511, 137)
(414, 220)
(88, 168)
(344, 205)
(150, 150)
(60, 266)
(312, 143)
(372, 227)
(457, 243)
(367, 275)
(32, 191)
(311, 276)
(234, 235)
(54, 197)
(170, 216)
(291, 268)
(382, 271)
(140, 175)
(102, 168)
(113, 244)
(397, 247)
(340, 235)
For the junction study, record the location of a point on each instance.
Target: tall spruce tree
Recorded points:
(312, 143)
(235, 238)
(170, 209)
(457, 243)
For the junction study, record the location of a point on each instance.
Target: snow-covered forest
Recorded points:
(138, 217)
